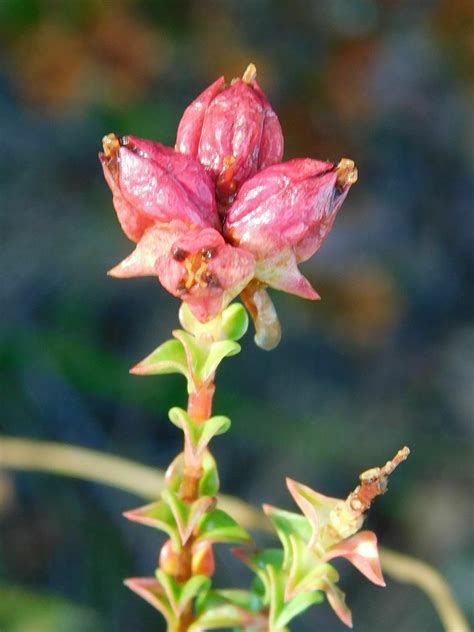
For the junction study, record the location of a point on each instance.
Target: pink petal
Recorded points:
(280, 272)
(155, 242)
(361, 550)
(190, 126)
(160, 194)
(285, 205)
(185, 170)
(133, 223)
(337, 601)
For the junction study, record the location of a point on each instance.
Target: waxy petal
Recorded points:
(153, 183)
(361, 550)
(133, 222)
(233, 131)
(280, 271)
(190, 125)
(156, 241)
(292, 204)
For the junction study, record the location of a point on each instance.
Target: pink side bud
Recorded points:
(205, 272)
(282, 215)
(153, 183)
(233, 131)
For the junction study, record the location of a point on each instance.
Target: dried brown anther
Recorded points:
(346, 173)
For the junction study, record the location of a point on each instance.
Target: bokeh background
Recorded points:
(385, 359)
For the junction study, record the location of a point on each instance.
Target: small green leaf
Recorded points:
(209, 483)
(259, 562)
(224, 616)
(187, 515)
(218, 526)
(157, 515)
(235, 322)
(196, 350)
(296, 606)
(194, 586)
(276, 582)
(170, 357)
(232, 324)
(153, 592)
(179, 595)
(286, 524)
(198, 434)
(243, 598)
(218, 351)
(308, 572)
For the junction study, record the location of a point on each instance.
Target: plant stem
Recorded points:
(199, 409)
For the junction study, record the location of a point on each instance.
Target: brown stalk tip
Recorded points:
(346, 172)
(250, 73)
(111, 145)
(400, 456)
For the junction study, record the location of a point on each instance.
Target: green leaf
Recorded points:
(286, 524)
(218, 351)
(209, 483)
(159, 516)
(152, 591)
(218, 526)
(187, 515)
(179, 595)
(224, 616)
(308, 572)
(259, 561)
(243, 598)
(296, 606)
(232, 324)
(235, 322)
(276, 583)
(198, 434)
(170, 357)
(196, 350)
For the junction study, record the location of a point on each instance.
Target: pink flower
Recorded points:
(282, 215)
(152, 183)
(232, 131)
(205, 272)
(195, 265)
(274, 216)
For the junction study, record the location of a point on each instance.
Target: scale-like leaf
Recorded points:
(218, 526)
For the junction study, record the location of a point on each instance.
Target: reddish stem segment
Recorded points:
(199, 409)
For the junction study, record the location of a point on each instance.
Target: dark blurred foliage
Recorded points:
(386, 359)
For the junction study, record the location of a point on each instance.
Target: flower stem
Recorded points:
(199, 408)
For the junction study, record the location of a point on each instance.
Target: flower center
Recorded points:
(196, 269)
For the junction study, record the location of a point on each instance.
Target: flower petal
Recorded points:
(156, 241)
(361, 550)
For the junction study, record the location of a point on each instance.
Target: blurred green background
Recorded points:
(385, 359)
